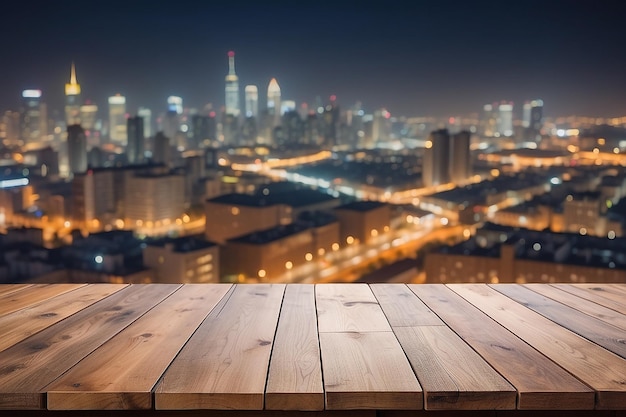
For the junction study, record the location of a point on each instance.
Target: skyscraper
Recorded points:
(72, 99)
(88, 113)
(76, 149)
(117, 119)
(533, 119)
(232, 87)
(436, 161)
(135, 147)
(252, 101)
(33, 118)
(460, 160)
(146, 114)
(175, 104)
(505, 119)
(273, 102)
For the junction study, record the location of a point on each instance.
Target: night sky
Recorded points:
(437, 57)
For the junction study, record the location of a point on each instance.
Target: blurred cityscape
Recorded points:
(267, 189)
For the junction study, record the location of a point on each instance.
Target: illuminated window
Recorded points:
(335, 246)
(308, 256)
(350, 240)
(288, 265)
(262, 273)
(321, 251)
(234, 211)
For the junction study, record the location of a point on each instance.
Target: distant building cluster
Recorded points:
(269, 190)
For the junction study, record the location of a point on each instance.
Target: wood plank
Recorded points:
(600, 369)
(595, 296)
(30, 365)
(367, 370)
(17, 300)
(204, 413)
(613, 293)
(540, 383)
(121, 373)
(586, 306)
(348, 308)
(402, 307)
(603, 334)
(20, 324)
(224, 364)
(295, 374)
(11, 288)
(452, 375)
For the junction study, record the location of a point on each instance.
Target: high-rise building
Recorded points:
(381, 126)
(117, 119)
(252, 101)
(135, 146)
(76, 149)
(34, 118)
(460, 158)
(88, 113)
(161, 149)
(72, 99)
(533, 119)
(146, 114)
(436, 161)
(232, 87)
(203, 130)
(489, 121)
(175, 104)
(273, 102)
(505, 119)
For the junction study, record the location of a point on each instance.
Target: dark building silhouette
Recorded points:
(76, 149)
(135, 145)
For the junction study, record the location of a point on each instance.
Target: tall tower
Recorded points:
(535, 120)
(135, 147)
(76, 149)
(72, 99)
(33, 117)
(252, 101)
(117, 119)
(436, 161)
(505, 119)
(460, 157)
(273, 102)
(232, 87)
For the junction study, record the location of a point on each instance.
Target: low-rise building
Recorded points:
(184, 260)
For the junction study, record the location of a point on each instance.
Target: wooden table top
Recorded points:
(317, 347)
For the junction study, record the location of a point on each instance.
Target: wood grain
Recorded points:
(224, 364)
(402, 307)
(603, 334)
(600, 369)
(453, 376)
(597, 297)
(14, 301)
(588, 307)
(11, 288)
(25, 322)
(540, 383)
(608, 291)
(120, 374)
(30, 365)
(348, 308)
(367, 370)
(295, 374)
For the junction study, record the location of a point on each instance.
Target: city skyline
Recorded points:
(439, 59)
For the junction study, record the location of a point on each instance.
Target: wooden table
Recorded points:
(380, 349)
